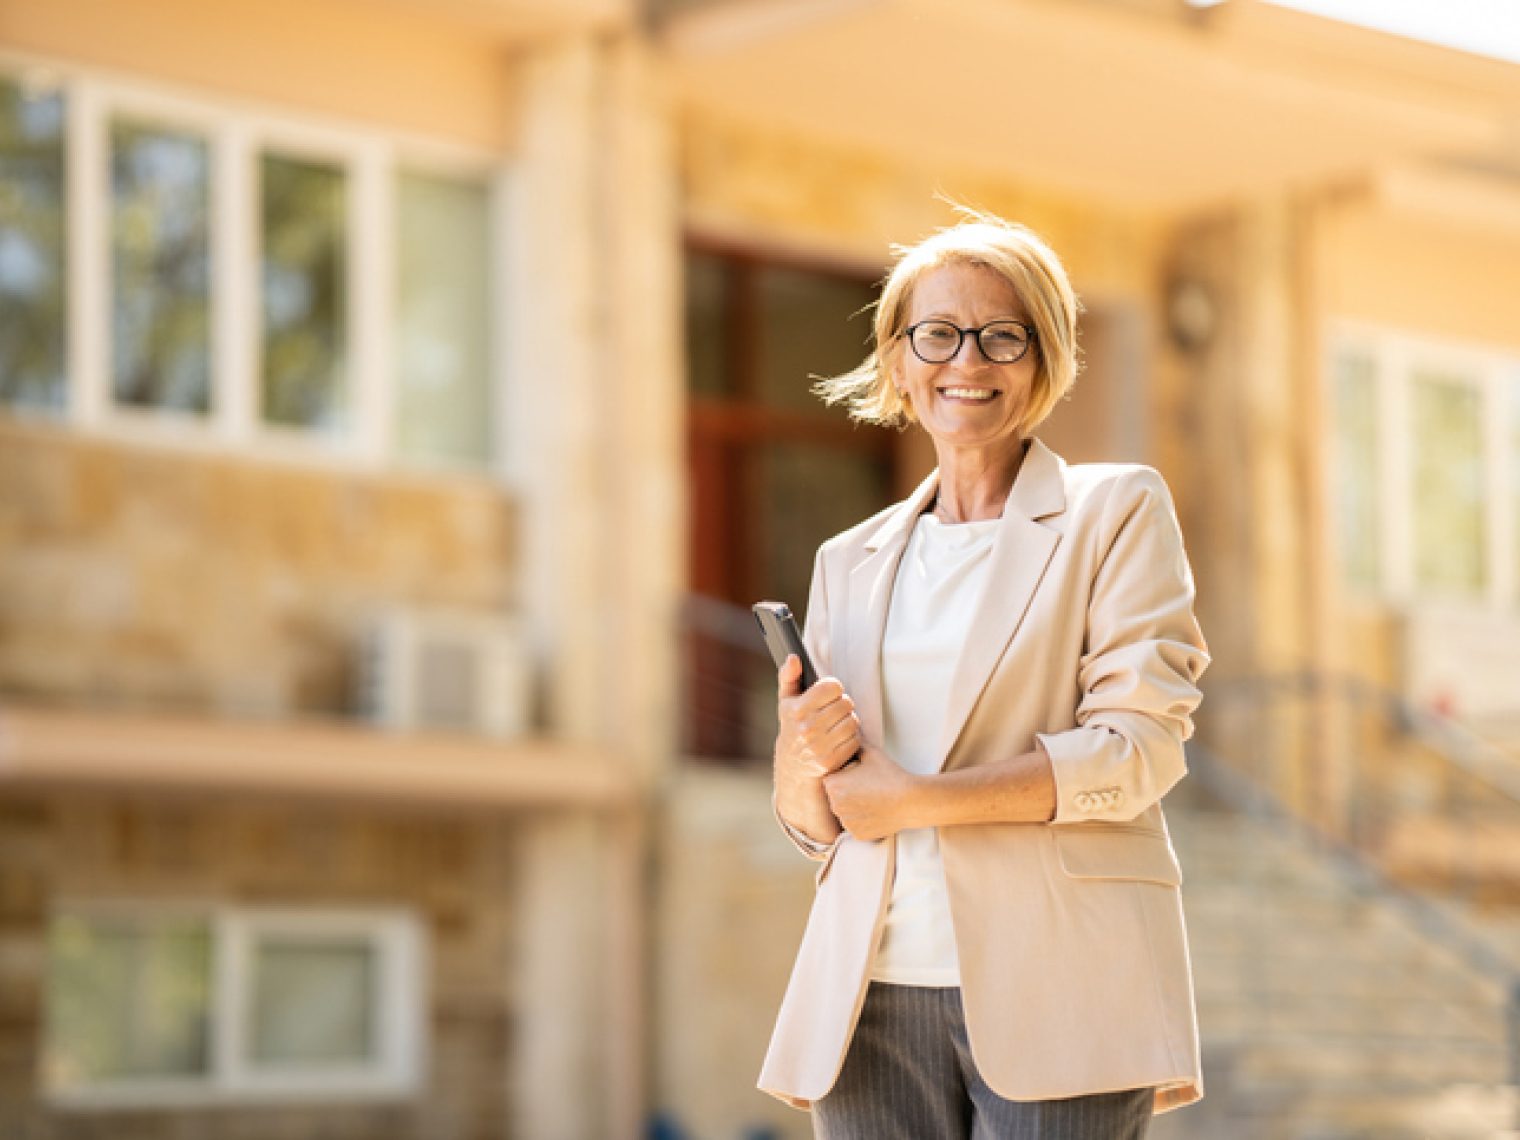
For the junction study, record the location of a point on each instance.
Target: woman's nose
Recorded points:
(969, 353)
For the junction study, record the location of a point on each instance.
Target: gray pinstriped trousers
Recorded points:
(909, 1076)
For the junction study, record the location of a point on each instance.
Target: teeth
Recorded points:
(970, 393)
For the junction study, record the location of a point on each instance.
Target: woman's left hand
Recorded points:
(871, 797)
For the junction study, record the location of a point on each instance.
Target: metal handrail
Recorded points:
(1455, 745)
(727, 675)
(1247, 797)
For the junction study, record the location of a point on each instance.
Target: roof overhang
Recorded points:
(517, 23)
(1145, 104)
(65, 750)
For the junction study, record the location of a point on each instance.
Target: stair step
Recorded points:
(1334, 1013)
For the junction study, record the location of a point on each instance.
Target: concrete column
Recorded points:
(1332, 754)
(1215, 492)
(1274, 403)
(600, 404)
(646, 385)
(559, 1088)
(557, 341)
(555, 310)
(1255, 482)
(598, 354)
(1248, 491)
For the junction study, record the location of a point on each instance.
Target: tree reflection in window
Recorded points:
(128, 997)
(1451, 539)
(160, 268)
(305, 293)
(32, 251)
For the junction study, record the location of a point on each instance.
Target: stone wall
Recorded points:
(176, 579)
(733, 899)
(459, 876)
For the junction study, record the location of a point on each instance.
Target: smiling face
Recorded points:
(967, 402)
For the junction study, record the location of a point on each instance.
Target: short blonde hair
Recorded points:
(1024, 260)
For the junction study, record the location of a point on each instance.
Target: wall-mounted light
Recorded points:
(1192, 315)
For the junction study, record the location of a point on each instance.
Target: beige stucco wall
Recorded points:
(372, 63)
(771, 188)
(1424, 276)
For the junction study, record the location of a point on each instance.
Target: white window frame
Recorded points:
(1395, 356)
(237, 135)
(400, 994)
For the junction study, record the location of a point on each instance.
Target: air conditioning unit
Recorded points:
(445, 670)
(1462, 661)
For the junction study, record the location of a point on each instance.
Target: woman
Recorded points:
(1009, 657)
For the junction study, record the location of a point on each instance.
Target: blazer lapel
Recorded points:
(1021, 551)
(870, 594)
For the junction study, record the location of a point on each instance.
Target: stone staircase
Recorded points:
(1327, 1013)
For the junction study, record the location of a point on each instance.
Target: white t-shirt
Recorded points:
(939, 582)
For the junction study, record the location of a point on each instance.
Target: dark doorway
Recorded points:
(773, 471)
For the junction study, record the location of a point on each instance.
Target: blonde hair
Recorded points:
(1022, 258)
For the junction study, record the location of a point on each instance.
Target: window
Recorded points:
(443, 345)
(1357, 468)
(1449, 492)
(264, 282)
(147, 1005)
(32, 247)
(160, 268)
(1426, 466)
(304, 290)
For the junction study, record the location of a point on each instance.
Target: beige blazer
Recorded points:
(1073, 958)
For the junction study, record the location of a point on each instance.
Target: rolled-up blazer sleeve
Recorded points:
(1142, 657)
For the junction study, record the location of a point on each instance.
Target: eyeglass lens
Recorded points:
(1002, 342)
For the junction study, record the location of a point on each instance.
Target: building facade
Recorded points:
(400, 401)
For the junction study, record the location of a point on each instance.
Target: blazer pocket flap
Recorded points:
(1089, 853)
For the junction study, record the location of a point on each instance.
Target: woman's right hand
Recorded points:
(819, 730)
(818, 733)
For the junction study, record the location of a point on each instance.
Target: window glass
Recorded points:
(1449, 533)
(312, 1001)
(160, 268)
(304, 266)
(810, 325)
(1357, 461)
(127, 998)
(32, 250)
(708, 367)
(443, 314)
(794, 516)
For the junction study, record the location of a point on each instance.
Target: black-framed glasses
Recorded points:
(1001, 342)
